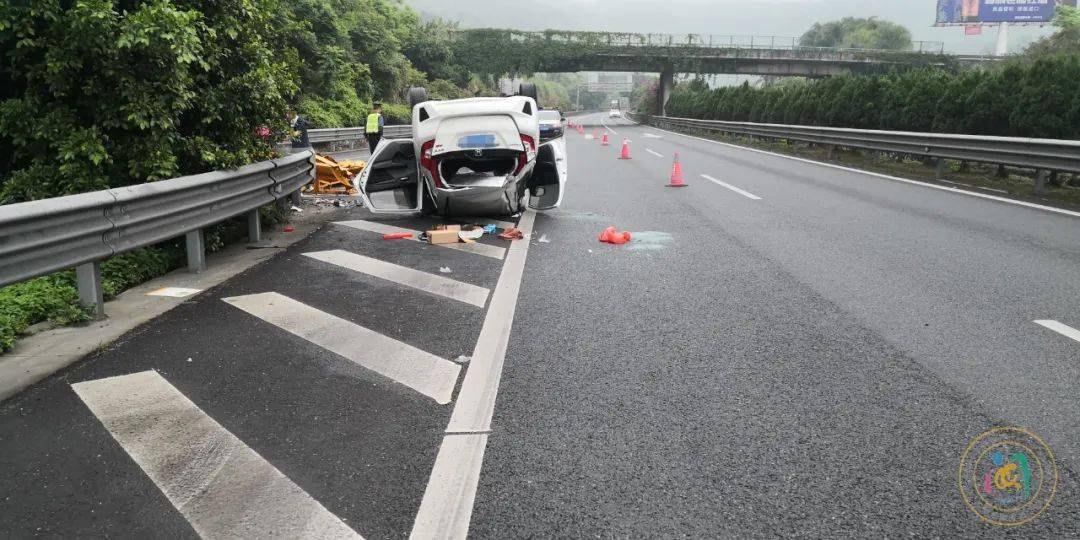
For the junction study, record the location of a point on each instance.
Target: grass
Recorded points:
(980, 177)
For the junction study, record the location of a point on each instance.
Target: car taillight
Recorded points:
(427, 161)
(530, 151)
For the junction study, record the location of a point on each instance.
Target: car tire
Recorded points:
(529, 90)
(417, 95)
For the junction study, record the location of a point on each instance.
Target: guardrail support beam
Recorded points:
(1040, 181)
(88, 279)
(940, 172)
(254, 222)
(196, 251)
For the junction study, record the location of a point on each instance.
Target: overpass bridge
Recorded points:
(554, 51)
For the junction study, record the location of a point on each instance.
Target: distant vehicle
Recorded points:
(467, 157)
(615, 113)
(551, 125)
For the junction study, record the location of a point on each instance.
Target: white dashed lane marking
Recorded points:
(742, 192)
(1060, 328)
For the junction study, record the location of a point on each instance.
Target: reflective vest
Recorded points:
(372, 123)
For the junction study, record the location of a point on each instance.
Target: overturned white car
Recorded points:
(467, 157)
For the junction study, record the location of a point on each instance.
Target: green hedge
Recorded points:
(1023, 99)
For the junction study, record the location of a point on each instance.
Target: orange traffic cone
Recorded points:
(596, 134)
(676, 174)
(581, 129)
(604, 141)
(625, 149)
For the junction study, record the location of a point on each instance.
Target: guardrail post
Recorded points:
(940, 172)
(88, 279)
(831, 154)
(196, 251)
(1040, 182)
(254, 221)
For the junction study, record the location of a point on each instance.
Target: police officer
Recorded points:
(299, 131)
(373, 130)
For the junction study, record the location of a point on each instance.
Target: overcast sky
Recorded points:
(718, 17)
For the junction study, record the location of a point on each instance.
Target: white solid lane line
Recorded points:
(402, 275)
(446, 509)
(657, 154)
(487, 250)
(220, 485)
(742, 192)
(424, 372)
(1060, 328)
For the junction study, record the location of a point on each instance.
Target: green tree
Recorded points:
(1065, 40)
(98, 95)
(852, 32)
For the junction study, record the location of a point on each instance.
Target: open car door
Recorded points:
(548, 181)
(390, 183)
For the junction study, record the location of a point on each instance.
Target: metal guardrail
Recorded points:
(325, 135)
(1044, 155)
(40, 237)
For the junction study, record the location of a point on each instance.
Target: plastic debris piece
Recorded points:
(463, 359)
(544, 239)
(289, 228)
(445, 269)
(612, 236)
(397, 236)
(296, 209)
(512, 234)
(471, 235)
(491, 228)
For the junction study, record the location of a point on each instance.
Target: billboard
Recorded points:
(997, 11)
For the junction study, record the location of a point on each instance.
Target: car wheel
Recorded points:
(529, 90)
(417, 95)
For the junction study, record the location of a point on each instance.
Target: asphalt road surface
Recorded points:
(784, 349)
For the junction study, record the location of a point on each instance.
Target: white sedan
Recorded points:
(468, 157)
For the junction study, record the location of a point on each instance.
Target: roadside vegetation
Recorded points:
(99, 94)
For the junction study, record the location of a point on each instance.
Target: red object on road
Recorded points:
(612, 236)
(676, 174)
(289, 228)
(625, 149)
(604, 141)
(397, 236)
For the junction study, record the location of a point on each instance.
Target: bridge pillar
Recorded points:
(667, 84)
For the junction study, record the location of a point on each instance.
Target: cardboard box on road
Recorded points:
(442, 237)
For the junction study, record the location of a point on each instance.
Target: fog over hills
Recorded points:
(720, 17)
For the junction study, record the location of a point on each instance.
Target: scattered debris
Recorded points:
(332, 176)
(397, 236)
(445, 269)
(512, 234)
(174, 292)
(491, 228)
(443, 236)
(296, 209)
(544, 239)
(612, 236)
(471, 235)
(463, 359)
(188, 359)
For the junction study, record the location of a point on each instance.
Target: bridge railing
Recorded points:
(1043, 155)
(704, 41)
